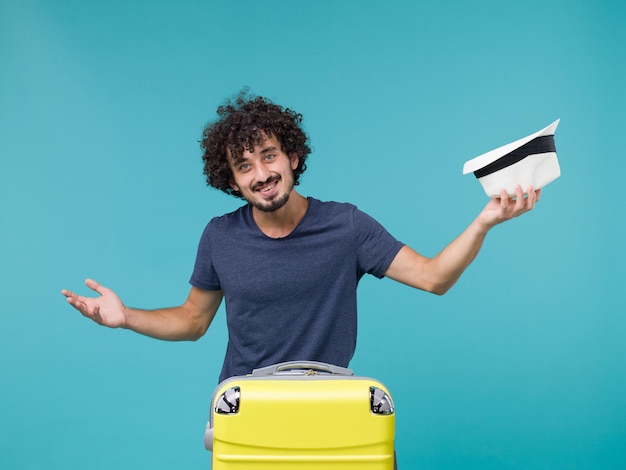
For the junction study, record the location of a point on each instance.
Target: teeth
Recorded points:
(268, 188)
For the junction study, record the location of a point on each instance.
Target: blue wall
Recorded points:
(521, 365)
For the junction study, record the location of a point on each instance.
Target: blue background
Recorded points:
(102, 104)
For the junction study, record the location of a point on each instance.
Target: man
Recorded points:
(287, 266)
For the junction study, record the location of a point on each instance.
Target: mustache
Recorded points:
(270, 180)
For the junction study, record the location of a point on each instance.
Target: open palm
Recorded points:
(107, 310)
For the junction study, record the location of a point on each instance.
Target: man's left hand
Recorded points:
(503, 208)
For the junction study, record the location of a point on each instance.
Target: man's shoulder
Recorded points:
(230, 222)
(344, 213)
(230, 217)
(330, 207)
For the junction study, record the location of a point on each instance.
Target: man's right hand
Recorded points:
(107, 310)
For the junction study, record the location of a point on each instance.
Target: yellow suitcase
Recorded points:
(307, 415)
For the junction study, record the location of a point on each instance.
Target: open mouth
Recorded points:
(267, 187)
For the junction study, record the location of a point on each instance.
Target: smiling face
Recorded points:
(264, 176)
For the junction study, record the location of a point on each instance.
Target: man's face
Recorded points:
(264, 176)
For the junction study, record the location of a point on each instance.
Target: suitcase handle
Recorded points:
(302, 368)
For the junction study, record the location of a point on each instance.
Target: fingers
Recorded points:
(73, 298)
(93, 285)
(77, 301)
(95, 314)
(531, 198)
(67, 293)
(504, 200)
(520, 201)
(505, 207)
(518, 204)
(512, 205)
(85, 305)
(525, 201)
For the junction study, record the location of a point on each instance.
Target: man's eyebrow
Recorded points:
(240, 159)
(269, 149)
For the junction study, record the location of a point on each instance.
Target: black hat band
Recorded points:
(542, 144)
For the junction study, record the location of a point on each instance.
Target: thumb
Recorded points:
(93, 285)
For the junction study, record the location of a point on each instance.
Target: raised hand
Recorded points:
(107, 310)
(503, 208)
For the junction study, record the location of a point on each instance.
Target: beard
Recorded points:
(273, 205)
(276, 203)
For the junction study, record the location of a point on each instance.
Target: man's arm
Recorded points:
(440, 273)
(188, 321)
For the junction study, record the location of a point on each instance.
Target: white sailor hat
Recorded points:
(530, 161)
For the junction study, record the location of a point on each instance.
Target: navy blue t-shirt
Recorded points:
(291, 298)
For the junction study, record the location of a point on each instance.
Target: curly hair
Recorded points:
(243, 123)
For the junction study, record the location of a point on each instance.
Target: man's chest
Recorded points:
(267, 271)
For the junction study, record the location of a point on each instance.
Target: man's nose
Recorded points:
(262, 174)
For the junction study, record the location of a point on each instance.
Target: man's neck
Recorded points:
(281, 222)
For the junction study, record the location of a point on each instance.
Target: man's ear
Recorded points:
(234, 186)
(294, 160)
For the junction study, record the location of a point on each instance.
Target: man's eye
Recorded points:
(270, 156)
(244, 167)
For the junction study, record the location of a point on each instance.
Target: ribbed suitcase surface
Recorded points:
(301, 415)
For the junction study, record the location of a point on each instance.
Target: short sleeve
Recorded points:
(376, 247)
(204, 275)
